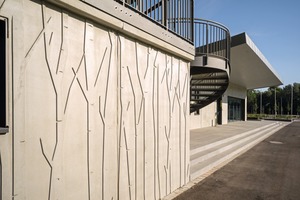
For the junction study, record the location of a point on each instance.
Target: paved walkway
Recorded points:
(270, 170)
(203, 136)
(206, 138)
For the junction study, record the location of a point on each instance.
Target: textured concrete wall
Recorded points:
(206, 118)
(96, 115)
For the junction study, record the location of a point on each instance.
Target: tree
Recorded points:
(283, 100)
(252, 101)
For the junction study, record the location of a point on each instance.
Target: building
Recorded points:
(96, 96)
(249, 70)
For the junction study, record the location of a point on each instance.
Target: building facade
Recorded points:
(249, 69)
(96, 107)
(98, 97)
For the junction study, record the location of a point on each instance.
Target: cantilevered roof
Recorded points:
(249, 67)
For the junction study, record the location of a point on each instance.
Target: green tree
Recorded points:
(252, 101)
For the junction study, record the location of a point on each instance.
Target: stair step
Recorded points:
(208, 89)
(210, 84)
(232, 151)
(212, 145)
(204, 155)
(217, 77)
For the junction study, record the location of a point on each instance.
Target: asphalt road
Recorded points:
(270, 170)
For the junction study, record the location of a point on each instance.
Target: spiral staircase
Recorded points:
(210, 70)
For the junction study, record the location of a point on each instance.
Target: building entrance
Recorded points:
(236, 109)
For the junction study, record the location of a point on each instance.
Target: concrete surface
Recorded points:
(270, 170)
(92, 112)
(204, 136)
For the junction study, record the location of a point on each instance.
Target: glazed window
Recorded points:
(3, 93)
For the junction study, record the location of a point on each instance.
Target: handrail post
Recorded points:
(206, 38)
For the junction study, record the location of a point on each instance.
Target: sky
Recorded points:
(274, 26)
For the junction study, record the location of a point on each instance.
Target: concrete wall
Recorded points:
(206, 117)
(94, 114)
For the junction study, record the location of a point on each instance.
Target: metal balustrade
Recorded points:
(208, 83)
(212, 39)
(170, 14)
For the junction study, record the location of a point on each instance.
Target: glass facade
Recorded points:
(236, 109)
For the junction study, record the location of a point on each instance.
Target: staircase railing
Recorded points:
(167, 13)
(211, 39)
(209, 80)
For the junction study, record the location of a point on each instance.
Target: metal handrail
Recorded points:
(209, 38)
(212, 39)
(167, 13)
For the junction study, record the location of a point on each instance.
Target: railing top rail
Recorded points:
(167, 14)
(210, 22)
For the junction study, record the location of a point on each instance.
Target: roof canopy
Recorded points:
(249, 67)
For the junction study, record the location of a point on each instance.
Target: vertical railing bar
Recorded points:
(185, 18)
(169, 15)
(219, 42)
(182, 17)
(146, 8)
(155, 10)
(177, 13)
(204, 36)
(209, 32)
(149, 8)
(174, 17)
(210, 39)
(161, 11)
(223, 44)
(214, 40)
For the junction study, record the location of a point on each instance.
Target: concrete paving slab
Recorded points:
(204, 136)
(270, 170)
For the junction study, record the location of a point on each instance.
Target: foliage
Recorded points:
(267, 99)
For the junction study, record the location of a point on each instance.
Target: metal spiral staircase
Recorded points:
(211, 68)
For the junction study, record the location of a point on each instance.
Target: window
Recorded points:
(236, 109)
(3, 94)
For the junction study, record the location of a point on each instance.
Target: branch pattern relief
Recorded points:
(106, 115)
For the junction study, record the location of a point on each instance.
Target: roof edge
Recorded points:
(243, 38)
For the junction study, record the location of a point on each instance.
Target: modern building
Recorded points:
(249, 69)
(98, 97)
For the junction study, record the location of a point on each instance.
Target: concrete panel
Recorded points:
(206, 118)
(97, 114)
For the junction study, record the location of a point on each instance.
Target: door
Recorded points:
(219, 111)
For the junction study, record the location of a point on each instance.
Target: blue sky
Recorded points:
(274, 26)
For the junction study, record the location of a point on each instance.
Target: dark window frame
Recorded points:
(3, 77)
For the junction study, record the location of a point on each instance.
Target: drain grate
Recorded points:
(275, 142)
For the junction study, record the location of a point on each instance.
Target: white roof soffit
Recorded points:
(249, 67)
